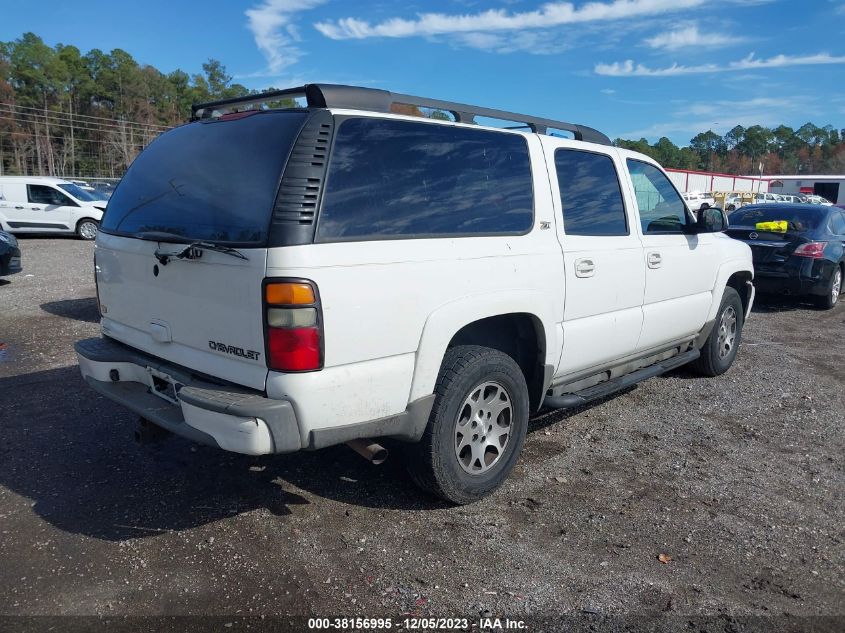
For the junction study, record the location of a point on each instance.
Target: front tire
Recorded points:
(476, 428)
(86, 229)
(834, 289)
(721, 347)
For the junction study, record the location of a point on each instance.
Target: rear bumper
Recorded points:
(797, 276)
(229, 417)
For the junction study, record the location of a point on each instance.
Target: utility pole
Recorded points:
(72, 142)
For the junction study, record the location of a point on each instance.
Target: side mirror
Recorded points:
(711, 220)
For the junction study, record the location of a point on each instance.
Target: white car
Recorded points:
(34, 204)
(289, 279)
(819, 200)
(698, 201)
(766, 198)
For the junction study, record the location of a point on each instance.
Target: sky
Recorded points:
(630, 68)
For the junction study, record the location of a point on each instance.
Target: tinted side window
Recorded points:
(407, 179)
(662, 210)
(837, 223)
(41, 194)
(590, 194)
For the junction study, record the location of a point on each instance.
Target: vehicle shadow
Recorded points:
(767, 304)
(5, 282)
(78, 309)
(24, 237)
(72, 453)
(547, 417)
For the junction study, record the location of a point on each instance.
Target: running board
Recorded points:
(609, 387)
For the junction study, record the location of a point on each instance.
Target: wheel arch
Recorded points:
(740, 281)
(734, 274)
(84, 218)
(519, 323)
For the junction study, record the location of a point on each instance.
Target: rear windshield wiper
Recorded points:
(194, 251)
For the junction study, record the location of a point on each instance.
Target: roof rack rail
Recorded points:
(375, 100)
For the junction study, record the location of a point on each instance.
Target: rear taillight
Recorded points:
(813, 250)
(293, 325)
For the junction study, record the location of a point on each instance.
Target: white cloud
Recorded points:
(534, 42)
(272, 25)
(722, 115)
(608, 91)
(690, 37)
(549, 15)
(630, 69)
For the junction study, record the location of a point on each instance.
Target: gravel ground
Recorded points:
(738, 480)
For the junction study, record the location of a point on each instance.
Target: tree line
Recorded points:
(782, 150)
(66, 113)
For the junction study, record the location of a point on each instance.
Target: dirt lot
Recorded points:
(738, 479)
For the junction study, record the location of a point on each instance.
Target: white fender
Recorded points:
(442, 324)
(725, 271)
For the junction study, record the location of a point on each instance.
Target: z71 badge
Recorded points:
(234, 351)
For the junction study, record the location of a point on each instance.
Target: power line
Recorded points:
(76, 140)
(138, 143)
(83, 116)
(19, 118)
(30, 117)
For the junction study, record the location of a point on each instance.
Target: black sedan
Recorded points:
(798, 249)
(10, 254)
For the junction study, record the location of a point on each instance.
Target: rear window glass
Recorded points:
(799, 219)
(390, 178)
(210, 180)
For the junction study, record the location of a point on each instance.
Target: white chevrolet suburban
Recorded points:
(284, 279)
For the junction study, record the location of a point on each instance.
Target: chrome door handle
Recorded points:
(18, 207)
(654, 260)
(585, 267)
(36, 208)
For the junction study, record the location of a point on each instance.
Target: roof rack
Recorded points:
(375, 100)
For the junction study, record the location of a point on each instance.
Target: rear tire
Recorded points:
(86, 229)
(720, 349)
(834, 289)
(476, 428)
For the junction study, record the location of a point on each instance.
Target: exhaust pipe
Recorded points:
(149, 433)
(369, 450)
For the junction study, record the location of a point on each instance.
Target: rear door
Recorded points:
(204, 314)
(680, 268)
(602, 253)
(213, 181)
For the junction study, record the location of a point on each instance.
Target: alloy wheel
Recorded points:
(483, 427)
(727, 332)
(88, 230)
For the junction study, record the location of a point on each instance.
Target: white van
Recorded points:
(37, 204)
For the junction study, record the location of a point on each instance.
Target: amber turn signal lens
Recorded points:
(289, 294)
